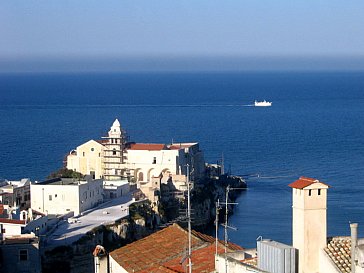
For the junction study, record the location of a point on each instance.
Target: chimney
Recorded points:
(354, 242)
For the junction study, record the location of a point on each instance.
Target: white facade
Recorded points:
(36, 223)
(309, 222)
(154, 160)
(9, 227)
(87, 159)
(61, 196)
(15, 194)
(113, 159)
(115, 267)
(233, 265)
(115, 188)
(114, 153)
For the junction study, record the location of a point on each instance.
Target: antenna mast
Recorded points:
(222, 164)
(225, 225)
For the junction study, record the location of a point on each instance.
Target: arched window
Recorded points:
(140, 176)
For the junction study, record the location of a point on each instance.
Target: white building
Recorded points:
(87, 159)
(114, 159)
(309, 221)
(12, 227)
(161, 160)
(9, 227)
(64, 195)
(115, 189)
(115, 155)
(15, 194)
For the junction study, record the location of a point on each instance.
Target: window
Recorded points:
(83, 153)
(50, 197)
(55, 195)
(114, 151)
(319, 192)
(309, 192)
(154, 160)
(23, 255)
(92, 149)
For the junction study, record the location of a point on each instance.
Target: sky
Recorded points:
(167, 33)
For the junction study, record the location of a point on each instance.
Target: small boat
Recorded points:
(262, 103)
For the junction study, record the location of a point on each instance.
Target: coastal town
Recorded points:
(120, 206)
(182, 136)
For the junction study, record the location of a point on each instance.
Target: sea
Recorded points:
(314, 128)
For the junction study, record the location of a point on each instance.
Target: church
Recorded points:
(114, 159)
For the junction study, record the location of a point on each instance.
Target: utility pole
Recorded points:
(189, 220)
(217, 226)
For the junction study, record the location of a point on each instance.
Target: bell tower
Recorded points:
(114, 153)
(309, 228)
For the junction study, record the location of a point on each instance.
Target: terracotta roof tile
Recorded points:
(203, 260)
(157, 269)
(177, 146)
(304, 182)
(154, 249)
(163, 251)
(147, 146)
(12, 221)
(338, 249)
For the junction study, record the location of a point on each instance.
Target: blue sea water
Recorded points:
(314, 128)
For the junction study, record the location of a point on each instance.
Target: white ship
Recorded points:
(262, 103)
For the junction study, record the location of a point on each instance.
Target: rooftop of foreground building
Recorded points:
(69, 231)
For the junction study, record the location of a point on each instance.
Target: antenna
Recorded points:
(225, 225)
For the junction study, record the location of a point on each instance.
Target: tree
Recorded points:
(65, 173)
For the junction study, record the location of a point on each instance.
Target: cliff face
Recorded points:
(204, 196)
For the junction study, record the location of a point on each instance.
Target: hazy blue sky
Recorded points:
(72, 30)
